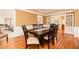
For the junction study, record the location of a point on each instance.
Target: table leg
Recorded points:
(7, 38)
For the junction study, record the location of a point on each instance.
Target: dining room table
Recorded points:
(40, 33)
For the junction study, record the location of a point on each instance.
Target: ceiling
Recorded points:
(48, 11)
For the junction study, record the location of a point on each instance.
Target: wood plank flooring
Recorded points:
(65, 41)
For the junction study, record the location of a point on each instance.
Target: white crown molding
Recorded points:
(60, 13)
(32, 12)
(47, 14)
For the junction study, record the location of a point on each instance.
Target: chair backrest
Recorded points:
(51, 33)
(56, 28)
(25, 31)
(35, 26)
(40, 25)
(52, 25)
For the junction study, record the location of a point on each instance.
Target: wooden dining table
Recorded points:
(40, 33)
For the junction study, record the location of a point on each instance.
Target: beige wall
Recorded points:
(76, 18)
(23, 17)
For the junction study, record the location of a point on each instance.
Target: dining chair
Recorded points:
(55, 26)
(29, 40)
(50, 36)
(55, 33)
(52, 25)
(40, 25)
(35, 26)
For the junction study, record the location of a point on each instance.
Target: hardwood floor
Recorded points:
(65, 41)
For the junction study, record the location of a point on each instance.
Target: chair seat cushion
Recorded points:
(32, 40)
(46, 37)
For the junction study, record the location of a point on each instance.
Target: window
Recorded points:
(69, 20)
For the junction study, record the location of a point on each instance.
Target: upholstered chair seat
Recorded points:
(32, 40)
